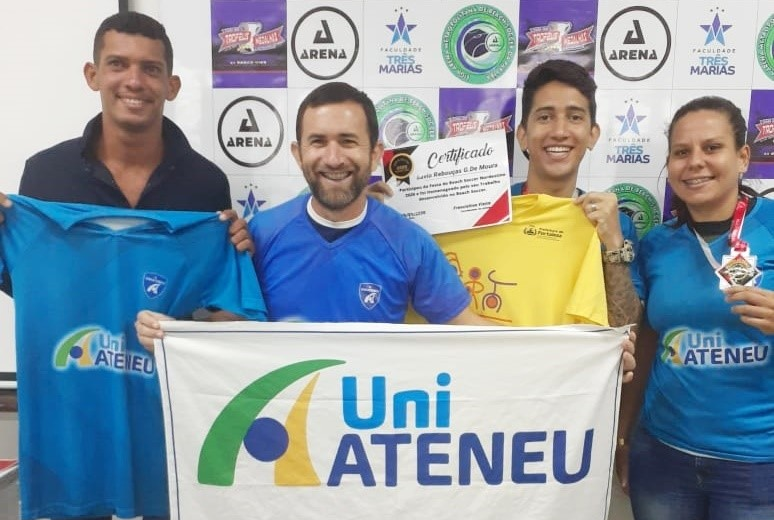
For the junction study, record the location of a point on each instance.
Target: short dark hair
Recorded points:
(563, 71)
(131, 22)
(340, 92)
(738, 127)
(717, 104)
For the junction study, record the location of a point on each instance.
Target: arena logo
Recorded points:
(764, 47)
(325, 43)
(635, 43)
(403, 420)
(404, 121)
(639, 204)
(712, 59)
(555, 37)
(250, 131)
(478, 44)
(94, 348)
(399, 53)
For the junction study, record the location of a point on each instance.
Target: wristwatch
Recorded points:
(624, 255)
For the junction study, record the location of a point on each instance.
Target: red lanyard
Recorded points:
(734, 234)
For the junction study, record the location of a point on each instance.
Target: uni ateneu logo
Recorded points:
(478, 44)
(95, 348)
(635, 43)
(376, 425)
(325, 43)
(250, 131)
(688, 347)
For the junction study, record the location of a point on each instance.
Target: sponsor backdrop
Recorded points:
(331, 418)
(442, 68)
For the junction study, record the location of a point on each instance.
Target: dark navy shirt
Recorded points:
(70, 172)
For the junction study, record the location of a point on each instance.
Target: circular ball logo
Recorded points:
(639, 204)
(764, 47)
(404, 120)
(478, 44)
(325, 43)
(250, 131)
(635, 43)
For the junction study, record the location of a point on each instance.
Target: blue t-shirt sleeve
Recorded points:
(234, 286)
(438, 293)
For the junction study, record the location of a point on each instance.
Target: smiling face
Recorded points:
(133, 81)
(557, 133)
(336, 157)
(704, 164)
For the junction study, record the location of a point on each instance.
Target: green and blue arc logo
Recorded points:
(264, 438)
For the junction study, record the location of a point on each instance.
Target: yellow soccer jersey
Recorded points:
(543, 268)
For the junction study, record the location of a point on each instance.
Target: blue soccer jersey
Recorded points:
(711, 388)
(370, 274)
(91, 439)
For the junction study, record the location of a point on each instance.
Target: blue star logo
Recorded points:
(716, 31)
(630, 121)
(400, 30)
(251, 203)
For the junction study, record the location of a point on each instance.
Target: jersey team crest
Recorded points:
(153, 284)
(370, 294)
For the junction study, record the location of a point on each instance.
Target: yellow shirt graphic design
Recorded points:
(543, 268)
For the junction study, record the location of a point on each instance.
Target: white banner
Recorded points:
(353, 421)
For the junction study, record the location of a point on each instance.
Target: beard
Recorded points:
(337, 198)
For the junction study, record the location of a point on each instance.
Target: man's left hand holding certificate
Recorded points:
(451, 184)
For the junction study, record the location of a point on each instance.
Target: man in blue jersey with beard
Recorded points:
(335, 255)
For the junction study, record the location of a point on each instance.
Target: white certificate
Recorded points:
(451, 184)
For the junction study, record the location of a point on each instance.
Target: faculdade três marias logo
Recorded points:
(413, 423)
(478, 44)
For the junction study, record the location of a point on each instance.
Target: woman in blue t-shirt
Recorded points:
(704, 445)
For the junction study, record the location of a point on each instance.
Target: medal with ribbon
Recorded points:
(739, 266)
